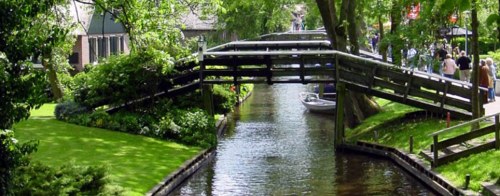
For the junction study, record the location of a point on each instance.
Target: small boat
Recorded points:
(314, 104)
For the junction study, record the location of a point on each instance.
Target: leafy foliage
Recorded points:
(193, 127)
(224, 100)
(266, 16)
(37, 179)
(65, 110)
(155, 24)
(12, 156)
(122, 79)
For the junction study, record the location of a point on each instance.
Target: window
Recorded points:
(73, 58)
(113, 45)
(92, 50)
(100, 47)
(122, 44)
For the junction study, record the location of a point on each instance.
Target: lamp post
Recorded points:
(466, 32)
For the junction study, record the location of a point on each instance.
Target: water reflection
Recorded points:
(274, 147)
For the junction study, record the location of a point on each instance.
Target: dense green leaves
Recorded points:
(122, 78)
(249, 19)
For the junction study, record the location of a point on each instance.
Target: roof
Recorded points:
(193, 21)
(81, 14)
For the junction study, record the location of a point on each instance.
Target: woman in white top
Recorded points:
(449, 67)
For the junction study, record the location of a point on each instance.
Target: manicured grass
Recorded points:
(47, 110)
(396, 133)
(136, 163)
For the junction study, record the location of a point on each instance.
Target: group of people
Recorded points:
(487, 78)
(487, 72)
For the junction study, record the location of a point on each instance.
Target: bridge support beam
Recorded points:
(339, 116)
(206, 93)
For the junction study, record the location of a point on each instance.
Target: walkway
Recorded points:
(492, 107)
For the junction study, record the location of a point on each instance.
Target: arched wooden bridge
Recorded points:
(294, 58)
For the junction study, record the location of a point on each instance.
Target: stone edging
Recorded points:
(169, 183)
(410, 163)
(172, 181)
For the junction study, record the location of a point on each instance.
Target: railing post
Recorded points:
(339, 116)
(206, 91)
(497, 131)
(435, 151)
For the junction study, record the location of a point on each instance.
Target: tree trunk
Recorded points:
(357, 106)
(498, 22)
(55, 85)
(476, 103)
(397, 45)
(382, 50)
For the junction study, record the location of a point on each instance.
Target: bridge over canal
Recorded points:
(293, 58)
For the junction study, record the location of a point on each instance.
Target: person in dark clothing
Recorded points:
(484, 79)
(464, 65)
(441, 55)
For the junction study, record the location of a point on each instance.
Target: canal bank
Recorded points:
(186, 170)
(406, 129)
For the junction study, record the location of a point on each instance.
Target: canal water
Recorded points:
(274, 146)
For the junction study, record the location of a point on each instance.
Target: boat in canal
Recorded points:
(315, 104)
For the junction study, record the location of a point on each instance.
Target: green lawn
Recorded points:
(134, 162)
(482, 167)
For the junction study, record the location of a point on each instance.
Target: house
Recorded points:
(98, 36)
(194, 26)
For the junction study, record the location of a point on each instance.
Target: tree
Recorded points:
(358, 105)
(476, 103)
(265, 16)
(21, 87)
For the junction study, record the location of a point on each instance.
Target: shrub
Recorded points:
(99, 119)
(12, 156)
(196, 127)
(224, 99)
(121, 79)
(67, 109)
(38, 179)
(485, 44)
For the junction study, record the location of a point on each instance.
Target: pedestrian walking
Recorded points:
(484, 78)
(493, 77)
(449, 67)
(464, 65)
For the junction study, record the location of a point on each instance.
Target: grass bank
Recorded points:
(394, 129)
(134, 162)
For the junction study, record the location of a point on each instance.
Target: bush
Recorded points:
(12, 156)
(485, 44)
(121, 79)
(224, 99)
(196, 127)
(65, 110)
(38, 179)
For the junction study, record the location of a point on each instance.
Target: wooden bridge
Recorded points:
(302, 58)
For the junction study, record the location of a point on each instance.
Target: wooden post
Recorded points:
(497, 132)
(339, 116)
(206, 93)
(467, 181)
(339, 105)
(435, 152)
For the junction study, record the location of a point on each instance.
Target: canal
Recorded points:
(273, 146)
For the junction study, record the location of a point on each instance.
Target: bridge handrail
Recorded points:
(308, 32)
(268, 43)
(334, 52)
(463, 124)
